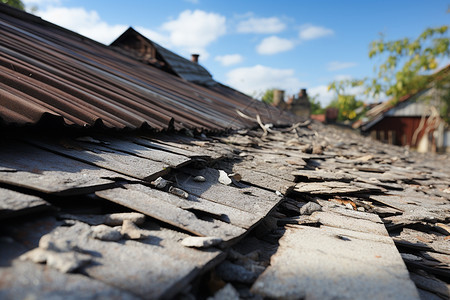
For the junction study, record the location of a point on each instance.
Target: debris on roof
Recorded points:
(351, 210)
(306, 211)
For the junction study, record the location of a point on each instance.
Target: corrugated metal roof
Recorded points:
(405, 106)
(416, 106)
(46, 70)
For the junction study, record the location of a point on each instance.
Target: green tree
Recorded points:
(348, 106)
(268, 96)
(316, 107)
(405, 69)
(14, 3)
(442, 84)
(407, 62)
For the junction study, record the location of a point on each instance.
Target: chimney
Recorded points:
(302, 93)
(278, 97)
(194, 58)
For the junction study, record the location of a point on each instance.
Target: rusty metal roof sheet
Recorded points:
(47, 71)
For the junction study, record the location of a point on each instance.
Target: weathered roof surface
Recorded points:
(342, 194)
(369, 266)
(156, 215)
(51, 73)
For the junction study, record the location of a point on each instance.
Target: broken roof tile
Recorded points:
(359, 188)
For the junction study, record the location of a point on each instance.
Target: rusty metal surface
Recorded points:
(47, 71)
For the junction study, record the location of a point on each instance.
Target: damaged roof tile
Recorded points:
(309, 211)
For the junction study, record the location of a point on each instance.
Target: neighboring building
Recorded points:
(299, 105)
(278, 99)
(414, 121)
(331, 114)
(132, 42)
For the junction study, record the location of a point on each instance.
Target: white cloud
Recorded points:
(261, 25)
(194, 30)
(257, 79)
(339, 65)
(87, 23)
(191, 32)
(203, 54)
(273, 45)
(342, 77)
(153, 36)
(229, 59)
(310, 32)
(323, 94)
(40, 2)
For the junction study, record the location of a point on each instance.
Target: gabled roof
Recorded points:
(406, 105)
(182, 67)
(50, 73)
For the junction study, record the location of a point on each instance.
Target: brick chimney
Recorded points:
(278, 97)
(194, 58)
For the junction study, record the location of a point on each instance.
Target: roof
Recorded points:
(186, 69)
(50, 73)
(314, 211)
(406, 106)
(306, 211)
(180, 66)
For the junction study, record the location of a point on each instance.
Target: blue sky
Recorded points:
(255, 45)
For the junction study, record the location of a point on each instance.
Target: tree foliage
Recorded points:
(14, 3)
(349, 108)
(405, 69)
(442, 84)
(268, 96)
(316, 106)
(407, 62)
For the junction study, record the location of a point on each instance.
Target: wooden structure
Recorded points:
(134, 43)
(414, 121)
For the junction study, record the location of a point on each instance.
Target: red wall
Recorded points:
(403, 128)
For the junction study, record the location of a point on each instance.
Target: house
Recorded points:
(298, 105)
(132, 42)
(120, 180)
(414, 121)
